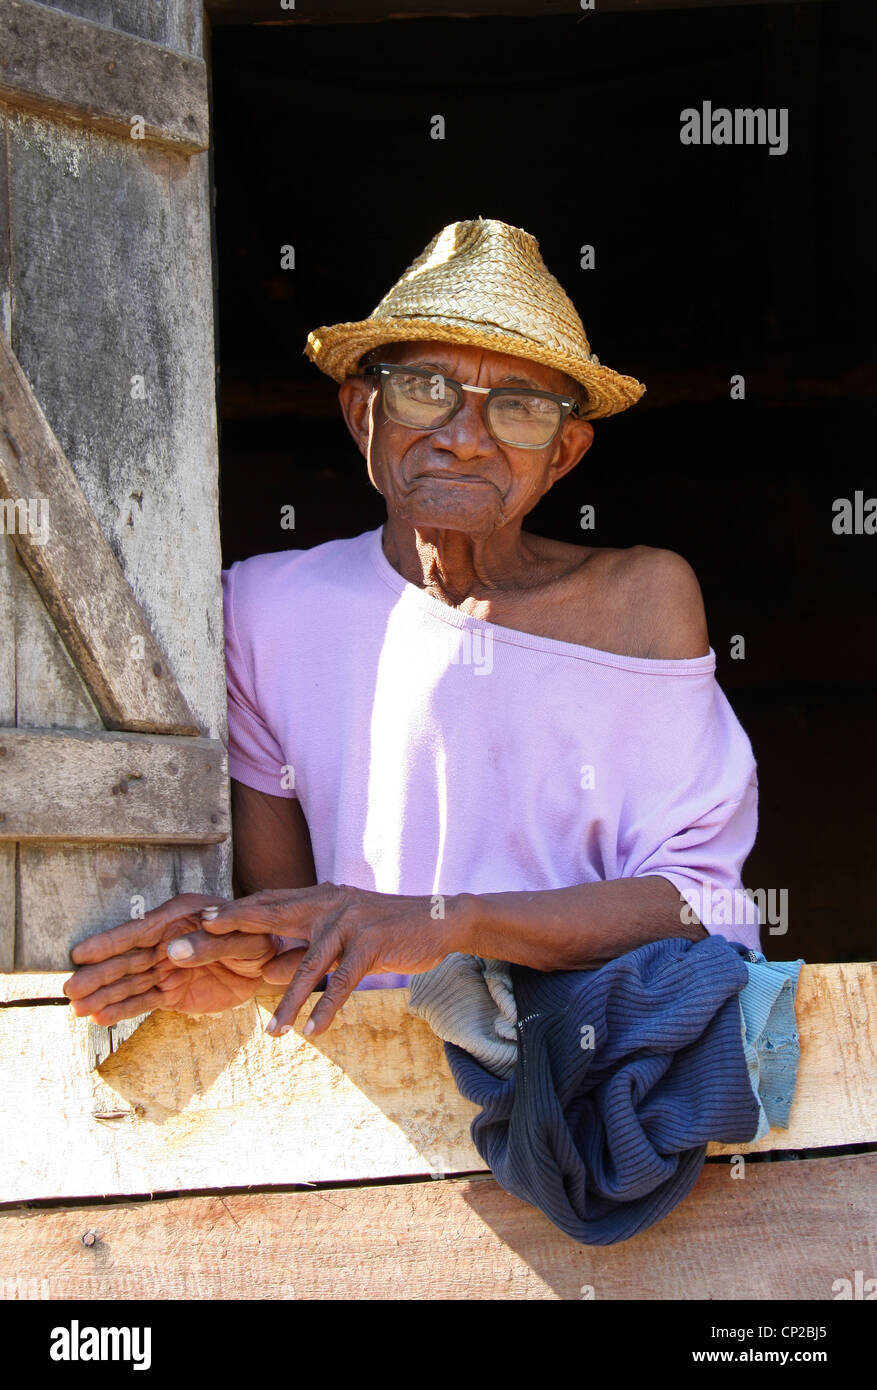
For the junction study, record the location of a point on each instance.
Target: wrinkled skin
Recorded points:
(355, 930)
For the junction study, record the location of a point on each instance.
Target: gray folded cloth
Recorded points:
(468, 1000)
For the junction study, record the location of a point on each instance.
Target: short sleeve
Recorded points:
(697, 816)
(254, 755)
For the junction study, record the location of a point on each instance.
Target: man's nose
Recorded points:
(466, 433)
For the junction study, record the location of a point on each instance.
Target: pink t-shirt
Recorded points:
(435, 753)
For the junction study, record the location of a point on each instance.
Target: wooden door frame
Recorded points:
(151, 775)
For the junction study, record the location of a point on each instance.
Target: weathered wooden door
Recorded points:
(113, 773)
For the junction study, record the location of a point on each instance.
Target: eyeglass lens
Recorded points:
(428, 402)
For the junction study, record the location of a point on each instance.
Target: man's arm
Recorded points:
(272, 843)
(572, 928)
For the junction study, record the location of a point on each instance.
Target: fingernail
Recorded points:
(271, 1024)
(180, 949)
(208, 913)
(309, 1026)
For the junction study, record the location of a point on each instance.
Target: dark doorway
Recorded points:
(709, 263)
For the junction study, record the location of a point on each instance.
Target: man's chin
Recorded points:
(480, 523)
(470, 507)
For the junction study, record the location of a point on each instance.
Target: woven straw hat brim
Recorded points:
(337, 349)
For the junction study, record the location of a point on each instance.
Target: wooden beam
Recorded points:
(786, 1231)
(85, 73)
(215, 1102)
(77, 574)
(33, 987)
(77, 785)
(224, 1105)
(8, 852)
(67, 891)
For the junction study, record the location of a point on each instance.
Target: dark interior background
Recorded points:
(710, 262)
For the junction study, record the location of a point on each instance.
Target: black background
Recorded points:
(710, 262)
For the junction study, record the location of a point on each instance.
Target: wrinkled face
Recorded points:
(458, 477)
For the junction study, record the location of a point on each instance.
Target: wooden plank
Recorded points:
(7, 906)
(94, 76)
(836, 1094)
(130, 788)
(5, 238)
(215, 1102)
(67, 892)
(47, 684)
(27, 986)
(49, 691)
(459, 1239)
(7, 716)
(135, 296)
(76, 572)
(130, 301)
(143, 466)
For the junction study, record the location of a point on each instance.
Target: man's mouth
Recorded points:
(452, 477)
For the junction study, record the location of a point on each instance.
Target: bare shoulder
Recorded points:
(665, 599)
(638, 601)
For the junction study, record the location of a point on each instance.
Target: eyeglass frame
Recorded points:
(568, 405)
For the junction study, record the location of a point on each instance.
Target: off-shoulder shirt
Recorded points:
(435, 753)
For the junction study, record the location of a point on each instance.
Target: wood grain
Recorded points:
(216, 1102)
(105, 280)
(77, 574)
(26, 986)
(7, 716)
(70, 891)
(836, 1096)
(98, 77)
(172, 23)
(458, 1239)
(130, 788)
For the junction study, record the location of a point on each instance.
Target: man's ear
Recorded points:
(354, 395)
(576, 438)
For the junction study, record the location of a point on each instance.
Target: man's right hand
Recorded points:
(126, 970)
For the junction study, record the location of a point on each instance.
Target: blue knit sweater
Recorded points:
(624, 1074)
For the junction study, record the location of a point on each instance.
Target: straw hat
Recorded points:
(483, 283)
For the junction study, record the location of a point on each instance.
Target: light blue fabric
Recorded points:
(770, 1036)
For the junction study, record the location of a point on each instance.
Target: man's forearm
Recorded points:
(573, 928)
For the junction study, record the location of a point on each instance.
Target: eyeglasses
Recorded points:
(515, 415)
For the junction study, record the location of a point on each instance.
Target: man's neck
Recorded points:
(453, 566)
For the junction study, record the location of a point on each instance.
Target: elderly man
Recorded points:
(449, 734)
